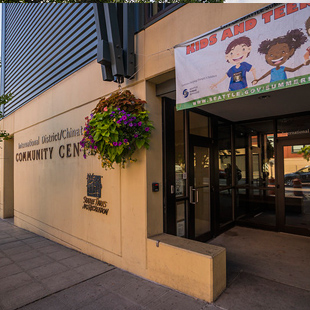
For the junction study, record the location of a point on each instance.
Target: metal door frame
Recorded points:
(280, 187)
(207, 143)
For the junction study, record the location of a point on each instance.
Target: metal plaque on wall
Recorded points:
(94, 185)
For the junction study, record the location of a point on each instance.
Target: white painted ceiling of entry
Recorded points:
(276, 103)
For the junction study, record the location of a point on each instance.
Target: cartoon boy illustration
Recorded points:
(236, 52)
(307, 55)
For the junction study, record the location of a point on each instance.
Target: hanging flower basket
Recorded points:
(118, 126)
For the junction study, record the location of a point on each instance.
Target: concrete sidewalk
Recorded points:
(265, 270)
(36, 273)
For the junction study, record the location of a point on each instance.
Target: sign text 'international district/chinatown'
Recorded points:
(65, 150)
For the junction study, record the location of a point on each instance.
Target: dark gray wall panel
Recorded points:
(44, 43)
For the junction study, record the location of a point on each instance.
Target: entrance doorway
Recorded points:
(249, 173)
(294, 186)
(274, 190)
(255, 188)
(188, 173)
(199, 188)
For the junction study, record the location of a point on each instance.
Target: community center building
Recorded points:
(226, 89)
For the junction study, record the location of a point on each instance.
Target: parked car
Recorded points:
(302, 174)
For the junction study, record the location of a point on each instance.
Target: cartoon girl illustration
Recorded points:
(278, 51)
(307, 55)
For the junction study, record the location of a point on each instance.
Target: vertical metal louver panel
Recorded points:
(44, 43)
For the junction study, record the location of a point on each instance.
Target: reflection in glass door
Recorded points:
(200, 215)
(186, 164)
(294, 187)
(255, 189)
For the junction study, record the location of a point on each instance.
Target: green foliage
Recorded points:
(3, 100)
(117, 128)
(305, 151)
(4, 135)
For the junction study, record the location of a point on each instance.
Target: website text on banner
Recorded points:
(265, 52)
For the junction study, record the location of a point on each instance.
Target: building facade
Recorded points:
(234, 162)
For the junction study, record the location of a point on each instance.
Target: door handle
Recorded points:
(191, 198)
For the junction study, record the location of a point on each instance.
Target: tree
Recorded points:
(305, 151)
(5, 98)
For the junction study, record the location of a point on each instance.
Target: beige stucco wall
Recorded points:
(48, 194)
(195, 268)
(6, 179)
(191, 20)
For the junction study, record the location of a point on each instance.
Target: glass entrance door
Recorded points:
(255, 192)
(187, 165)
(199, 190)
(294, 186)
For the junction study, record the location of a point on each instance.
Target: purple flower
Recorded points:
(135, 124)
(134, 117)
(128, 114)
(118, 109)
(147, 128)
(124, 117)
(119, 143)
(125, 140)
(125, 123)
(91, 115)
(113, 112)
(119, 121)
(130, 125)
(136, 136)
(140, 123)
(114, 143)
(95, 147)
(123, 112)
(84, 156)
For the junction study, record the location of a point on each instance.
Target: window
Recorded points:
(296, 148)
(155, 11)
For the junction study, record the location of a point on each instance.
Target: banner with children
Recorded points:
(265, 52)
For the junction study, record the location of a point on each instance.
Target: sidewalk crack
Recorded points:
(73, 285)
